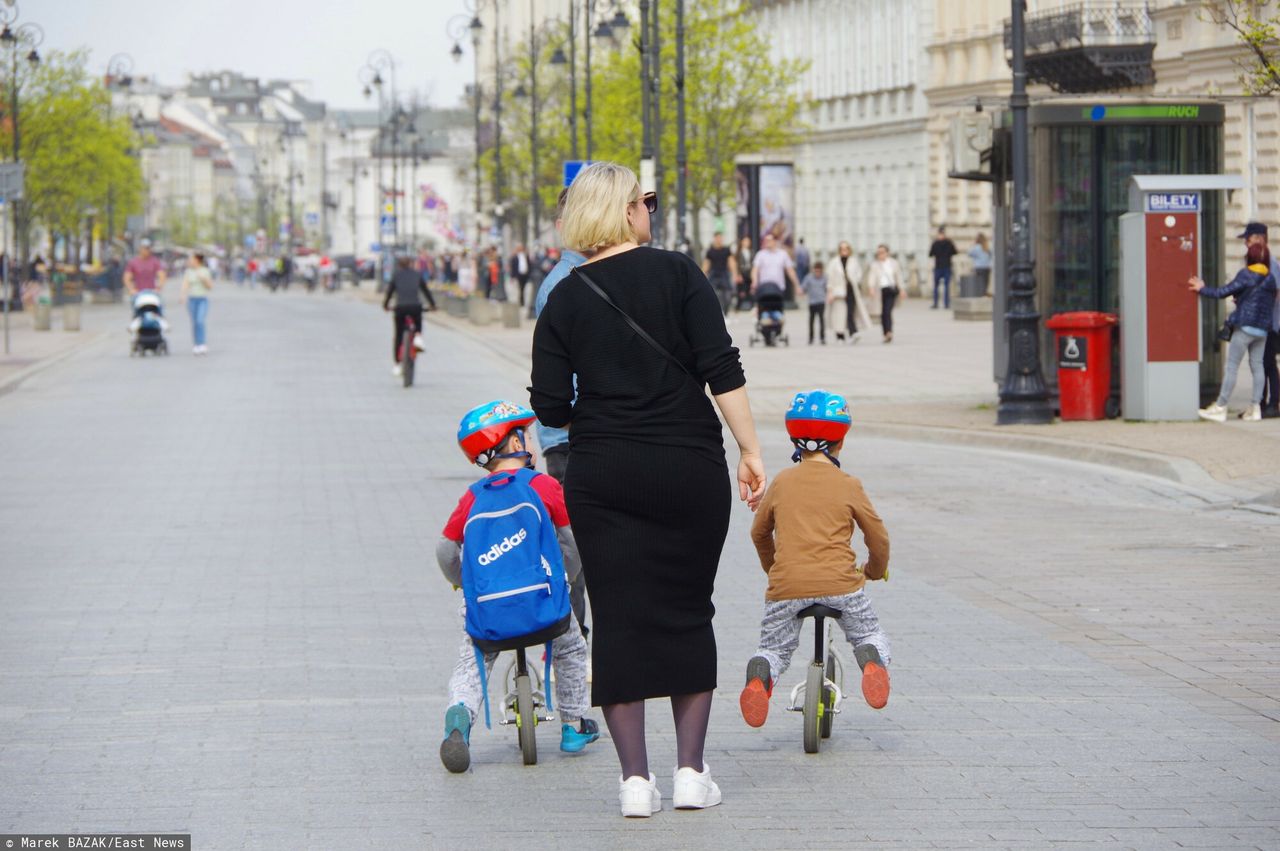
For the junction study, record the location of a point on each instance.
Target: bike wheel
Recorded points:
(526, 721)
(828, 698)
(813, 708)
(407, 370)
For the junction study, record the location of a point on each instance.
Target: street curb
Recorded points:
(1181, 471)
(11, 383)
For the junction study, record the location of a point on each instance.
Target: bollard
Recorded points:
(71, 316)
(43, 318)
(510, 314)
(479, 310)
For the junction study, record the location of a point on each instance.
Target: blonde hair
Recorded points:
(595, 209)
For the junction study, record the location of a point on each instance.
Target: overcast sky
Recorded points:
(321, 41)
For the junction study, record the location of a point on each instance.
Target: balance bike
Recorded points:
(524, 704)
(820, 695)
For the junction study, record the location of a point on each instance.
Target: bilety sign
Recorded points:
(1173, 202)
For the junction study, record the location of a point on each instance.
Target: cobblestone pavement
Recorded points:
(221, 617)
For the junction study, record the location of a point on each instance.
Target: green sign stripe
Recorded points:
(1144, 111)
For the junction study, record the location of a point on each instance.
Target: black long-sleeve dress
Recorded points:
(647, 485)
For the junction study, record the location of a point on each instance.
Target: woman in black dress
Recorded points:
(648, 488)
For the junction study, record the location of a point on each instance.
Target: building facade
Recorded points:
(861, 172)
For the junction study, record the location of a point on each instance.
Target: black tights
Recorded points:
(692, 713)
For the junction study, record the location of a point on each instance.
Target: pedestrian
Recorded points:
(554, 442)
(743, 261)
(408, 289)
(493, 275)
(145, 271)
(980, 252)
(886, 278)
(772, 267)
(803, 260)
(942, 250)
(802, 533)
(1256, 233)
(520, 268)
(648, 487)
(493, 437)
(844, 290)
(1254, 287)
(721, 269)
(197, 282)
(466, 272)
(814, 285)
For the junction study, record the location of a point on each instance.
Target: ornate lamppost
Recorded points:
(17, 38)
(1024, 399)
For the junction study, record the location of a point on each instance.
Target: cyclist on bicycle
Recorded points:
(408, 288)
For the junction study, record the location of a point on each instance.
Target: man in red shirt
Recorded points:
(144, 272)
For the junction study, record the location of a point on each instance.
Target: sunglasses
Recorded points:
(650, 201)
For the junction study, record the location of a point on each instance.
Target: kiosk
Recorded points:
(1160, 249)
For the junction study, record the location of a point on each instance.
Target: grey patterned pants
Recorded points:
(568, 657)
(780, 629)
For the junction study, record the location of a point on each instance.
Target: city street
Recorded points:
(223, 617)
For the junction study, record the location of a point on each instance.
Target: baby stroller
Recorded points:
(148, 325)
(770, 321)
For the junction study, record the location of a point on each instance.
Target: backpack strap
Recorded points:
(484, 683)
(546, 679)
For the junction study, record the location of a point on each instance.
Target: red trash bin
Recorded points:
(1084, 363)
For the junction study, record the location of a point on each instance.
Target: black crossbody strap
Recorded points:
(635, 326)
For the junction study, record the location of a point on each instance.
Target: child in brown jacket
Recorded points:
(802, 533)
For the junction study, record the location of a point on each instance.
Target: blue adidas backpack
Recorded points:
(513, 575)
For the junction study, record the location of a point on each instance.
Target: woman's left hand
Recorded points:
(1195, 284)
(751, 479)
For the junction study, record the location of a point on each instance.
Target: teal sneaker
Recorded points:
(455, 750)
(572, 741)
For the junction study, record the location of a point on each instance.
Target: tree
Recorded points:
(1259, 32)
(738, 101)
(74, 152)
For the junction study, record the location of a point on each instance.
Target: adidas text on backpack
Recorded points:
(513, 576)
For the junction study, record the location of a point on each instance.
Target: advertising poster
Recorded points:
(777, 188)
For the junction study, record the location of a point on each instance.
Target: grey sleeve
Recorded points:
(569, 547)
(449, 557)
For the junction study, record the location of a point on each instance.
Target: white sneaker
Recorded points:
(419, 343)
(397, 370)
(639, 797)
(1253, 413)
(1214, 413)
(694, 791)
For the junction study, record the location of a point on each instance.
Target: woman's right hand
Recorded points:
(751, 479)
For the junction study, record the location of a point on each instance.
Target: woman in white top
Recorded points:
(886, 278)
(196, 284)
(466, 274)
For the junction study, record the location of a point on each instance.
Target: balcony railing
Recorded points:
(1089, 46)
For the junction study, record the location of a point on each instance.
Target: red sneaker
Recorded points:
(875, 676)
(754, 700)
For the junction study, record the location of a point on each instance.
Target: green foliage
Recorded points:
(77, 155)
(1256, 24)
(738, 101)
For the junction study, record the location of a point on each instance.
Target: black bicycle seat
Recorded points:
(817, 610)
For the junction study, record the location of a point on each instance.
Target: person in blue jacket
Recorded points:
(555, 441)
(1254, 287)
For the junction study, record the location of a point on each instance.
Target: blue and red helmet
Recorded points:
(817, 420)
(486, 427)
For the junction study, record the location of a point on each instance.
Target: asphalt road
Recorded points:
(222, 616)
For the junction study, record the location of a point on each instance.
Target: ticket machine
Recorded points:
(1160, 243)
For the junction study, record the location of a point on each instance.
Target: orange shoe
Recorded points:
(875, 676)
(754, 700)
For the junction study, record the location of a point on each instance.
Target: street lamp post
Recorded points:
(682, 156)
(14, 36)
(655, 112)
(456, 27)
(119, 71)
(1024, 399)
(646, 119)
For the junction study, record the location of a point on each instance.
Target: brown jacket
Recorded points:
(804, 528)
